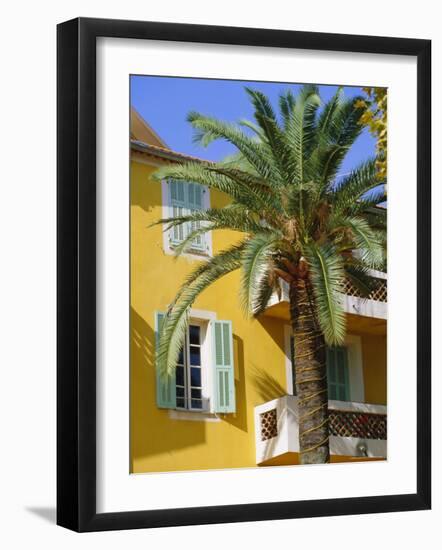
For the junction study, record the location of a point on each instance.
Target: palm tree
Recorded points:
(301, 224)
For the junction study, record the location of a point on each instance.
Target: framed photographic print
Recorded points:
(226, 348)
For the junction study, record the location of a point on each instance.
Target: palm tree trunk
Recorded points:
(311, 376)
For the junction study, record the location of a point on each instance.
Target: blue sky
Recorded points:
(165, 101)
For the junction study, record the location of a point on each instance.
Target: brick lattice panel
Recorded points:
(379, 293)
(357, 424)
(269, 425)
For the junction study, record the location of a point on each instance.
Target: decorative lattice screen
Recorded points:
(269, 425)
(379, 293)
(356, 424)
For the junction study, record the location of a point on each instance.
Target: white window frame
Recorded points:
(167, 212)
(203, 366)
(355, 366)
(203, 319)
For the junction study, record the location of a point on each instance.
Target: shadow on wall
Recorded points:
(266, 385)
(152, 430)
(275, 329)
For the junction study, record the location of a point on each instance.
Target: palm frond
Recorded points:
(345, 126)
(369, 201)
(341, 129)
(176, 319)
(235, 217)
(238, 161)
(208, 129)
(361, 279)
(287, 103)
(251, 126)
(255, 264)
(300, 130)
(327, 275)
(265, 289)
(252, 196)
(352, 187)
(274, 135)
(230, 256)
(188, 243)
(367, 242)
(326, 118)
(262, 105)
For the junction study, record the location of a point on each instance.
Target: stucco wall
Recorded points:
(374, 352)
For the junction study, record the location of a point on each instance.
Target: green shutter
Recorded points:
(185, 198)
(337, 374)
(195, 202)
(166, 392)
(223, 371)
(342, 372)
(177, 192)
(178, 203)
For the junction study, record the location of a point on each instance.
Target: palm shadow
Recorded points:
(153, 432)
(267, 387)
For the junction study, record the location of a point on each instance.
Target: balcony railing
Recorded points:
(379, 293)
(357, 424)
(356, 429)
(375, 305)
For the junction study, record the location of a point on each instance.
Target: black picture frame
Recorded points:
(77, 286)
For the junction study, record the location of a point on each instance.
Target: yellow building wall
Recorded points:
(374, 353)
(159, 443)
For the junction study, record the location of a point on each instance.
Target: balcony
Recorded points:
(358, 431)
(365, 309)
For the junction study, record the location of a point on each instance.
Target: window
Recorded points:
(189, 385)
(204, 375)
(185, 198)
(337, 374)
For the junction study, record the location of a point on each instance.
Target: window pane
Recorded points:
(195, 355)
(341, 374)
(194, 334)
(331, 372)
(180, 376)
(198, 199)
(179, 391)
(191, 190)
(181, 358)
(180, 403)
(197, 404)
(195, 377)
(196, 394)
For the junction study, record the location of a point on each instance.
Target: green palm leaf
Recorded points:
(176, 320)
(354, 186)
(327, 274)
(255, 267)
(208, 129)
